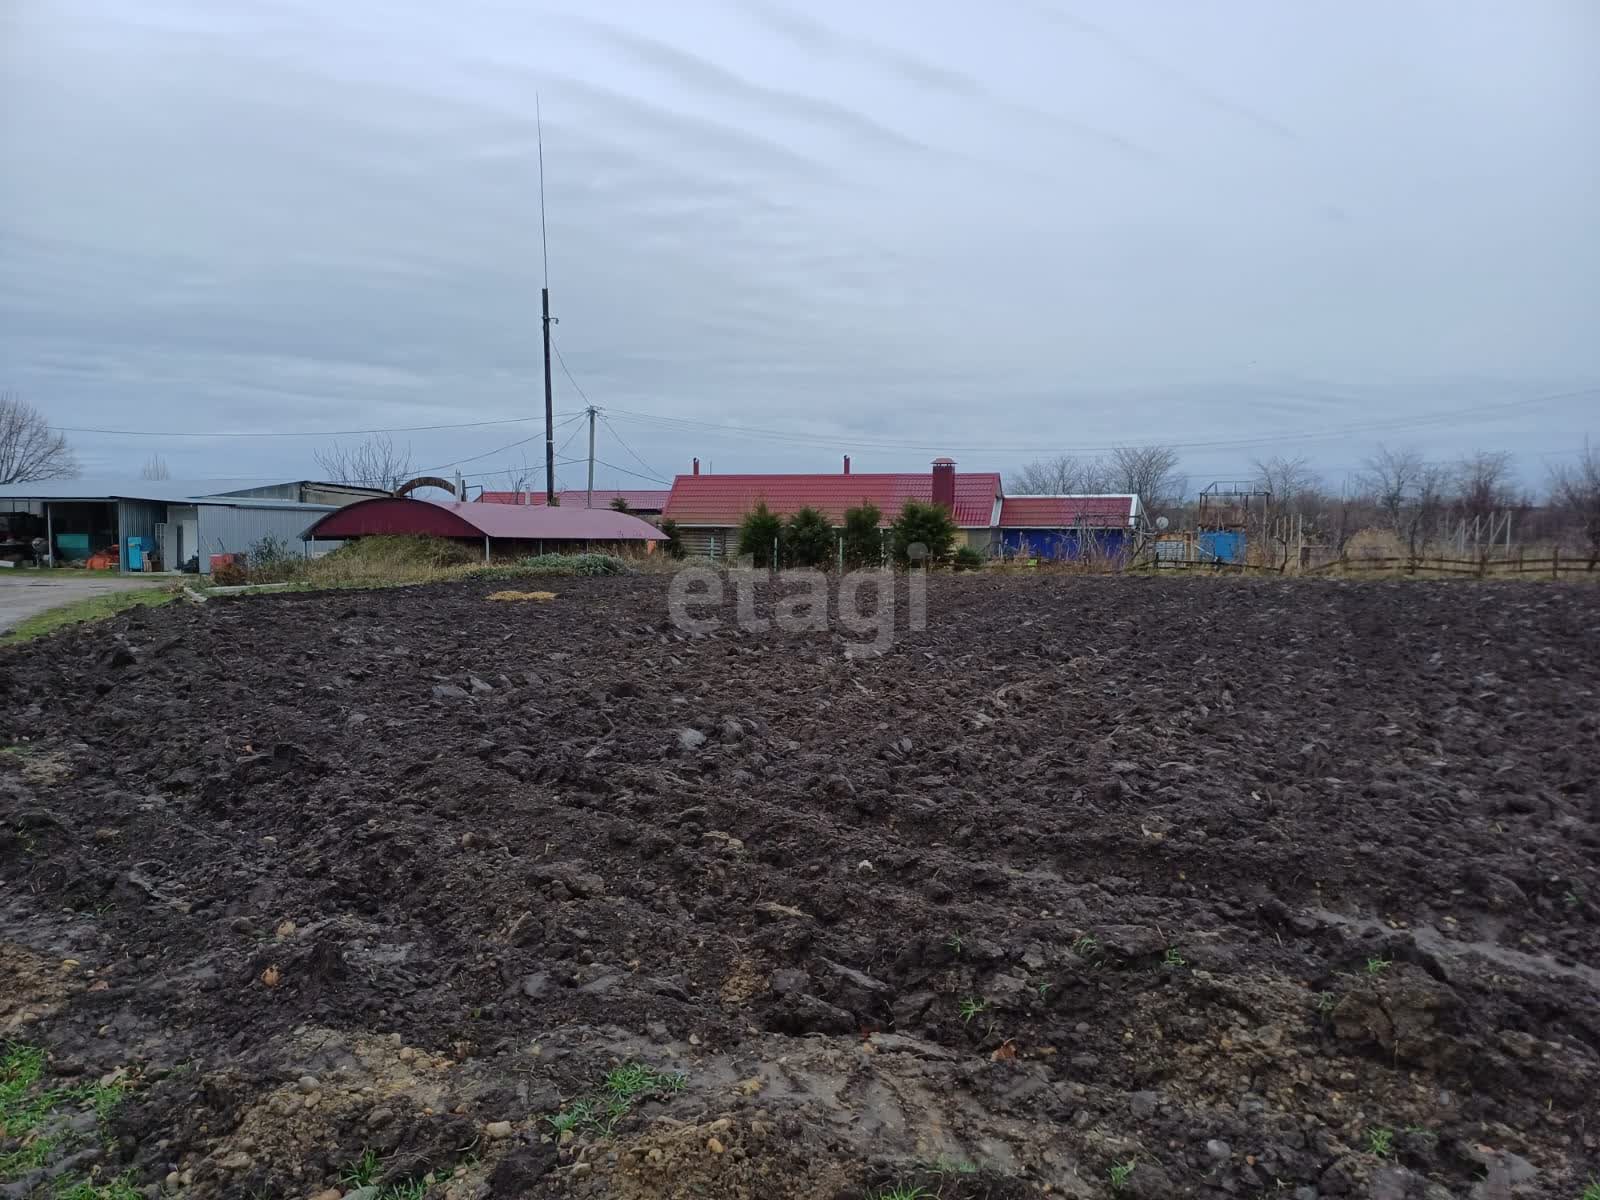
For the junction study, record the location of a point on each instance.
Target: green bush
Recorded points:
(620, 504)
(672, 539)
(759, 532)
(575, 564)
(274, 560)
(927, 524)
(808, 539)
(968, 559)
(863, 540)
(546, 565)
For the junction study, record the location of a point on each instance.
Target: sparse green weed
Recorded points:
(971, 1007)
(902, 1191)
(1087, 946)
(954, 1166)
(955, 943)
(1380, 1142)
(1120, 1172)
(105, 1097)
(619, 1088)
(637, 1079)
(30, 1157)
(364, 1171)
(1326, 1002)
(1173, 958)
(411, 1189)
(1043, 989)
(120, 1188)
(1377, 966)
(1592, 1192)
(575, 1114)
(1572, 899)
(20, 1068)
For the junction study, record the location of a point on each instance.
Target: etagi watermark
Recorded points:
(862, 603)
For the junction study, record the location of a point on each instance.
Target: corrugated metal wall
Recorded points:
(228, 530)
(137, 518)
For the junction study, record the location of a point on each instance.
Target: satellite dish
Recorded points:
(1162, 522)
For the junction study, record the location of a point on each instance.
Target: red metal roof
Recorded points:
(1064, 512)
(722, 500)
(454, 519)
(639, 499)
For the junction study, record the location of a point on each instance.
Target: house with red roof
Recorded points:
(708, 508)
(1069, 526)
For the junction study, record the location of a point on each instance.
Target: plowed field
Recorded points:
(1104, 886)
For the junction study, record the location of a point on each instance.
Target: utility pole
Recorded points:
(549, 411)
(544, 296)
(588, 496)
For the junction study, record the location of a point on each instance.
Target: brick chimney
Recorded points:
(697, 466)
(944, 483)
(847, 464)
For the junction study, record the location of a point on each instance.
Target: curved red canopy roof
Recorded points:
(454, 519)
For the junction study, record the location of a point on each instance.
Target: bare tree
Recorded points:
(1576, 490)
(1148, 472)
(1392, 477)
(375, 463)
(1483, 483)
(29, 448)
(1063, 475)
(155, 467)
(1429, 490)
(1292, 482)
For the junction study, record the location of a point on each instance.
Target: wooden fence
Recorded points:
(1553, 565)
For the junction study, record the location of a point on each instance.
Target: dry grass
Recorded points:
(516, 596)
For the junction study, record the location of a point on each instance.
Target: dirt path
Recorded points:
(1137, 887)
(25, 593)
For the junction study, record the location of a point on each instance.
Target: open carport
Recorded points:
(505, 530)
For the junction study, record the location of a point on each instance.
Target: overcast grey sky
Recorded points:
(1001, 229)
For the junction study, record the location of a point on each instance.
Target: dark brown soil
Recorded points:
(1267, 889)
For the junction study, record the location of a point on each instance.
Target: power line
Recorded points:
(635, 474)
(554, 346)
(317, 433)
(624, 444)
(568, 442)
(499, 449)
(688, 424)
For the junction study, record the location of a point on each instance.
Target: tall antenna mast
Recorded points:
(544, 297)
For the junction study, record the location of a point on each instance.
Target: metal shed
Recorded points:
(177, 522)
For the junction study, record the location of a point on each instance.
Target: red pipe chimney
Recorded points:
(847, 464)
(944, 483)
(697, 466)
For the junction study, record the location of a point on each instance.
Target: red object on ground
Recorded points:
(454, 519)
(221, 562)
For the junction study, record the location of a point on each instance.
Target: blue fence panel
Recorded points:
(1064, 543)
(1221, 546)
